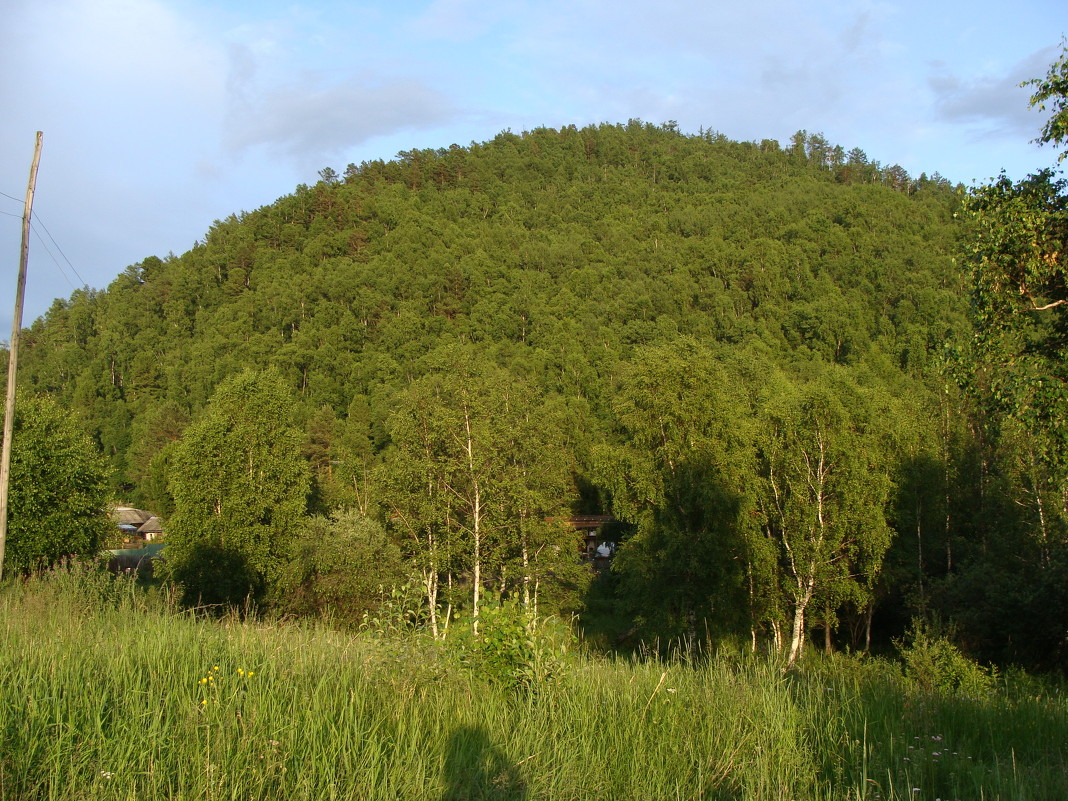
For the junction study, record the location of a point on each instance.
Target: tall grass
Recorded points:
(108, 694)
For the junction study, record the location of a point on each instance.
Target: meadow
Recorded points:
(108, 692)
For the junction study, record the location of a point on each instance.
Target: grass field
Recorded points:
(106, 693)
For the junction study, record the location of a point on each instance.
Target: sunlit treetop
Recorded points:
(1053, 90)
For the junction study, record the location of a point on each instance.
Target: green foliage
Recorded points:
(1053, 88)
(1015, 377)
(825, 477)
(343, 568)
(1016, 254)
(513, 648)
(935, 665)
(682, 474)
(401, 610)
(1017, 260)
(758, 496)
(558, 250)
(240, 488)
(477, 474)
(59, 489)
(533, 286)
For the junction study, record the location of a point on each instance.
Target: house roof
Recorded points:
(121, 515)
(589, 522)
(151, 526)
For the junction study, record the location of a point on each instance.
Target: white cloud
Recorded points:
(313, 120)
(990, 104)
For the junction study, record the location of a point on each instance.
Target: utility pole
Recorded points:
(13, 357)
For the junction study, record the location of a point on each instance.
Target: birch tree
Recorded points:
(414, 488)
(823, 489)
(473, 475)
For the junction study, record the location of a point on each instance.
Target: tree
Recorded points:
(476, 468)
(1019, 231)
(59, 488)
(415, 494)
(1017, 254)
(1020, 290)
(341, 568)
(681, 474)
(1053, 89)
(1018, 258)
(823, 490)
(240, 488)
(537, 491)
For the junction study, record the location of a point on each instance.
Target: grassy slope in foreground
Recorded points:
(135, 702)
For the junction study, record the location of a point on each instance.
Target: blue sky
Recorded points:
(160, 116)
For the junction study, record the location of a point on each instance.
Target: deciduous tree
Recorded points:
(58, 491)
(823, 490)
(240, 487)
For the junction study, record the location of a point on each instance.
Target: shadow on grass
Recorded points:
(874, 730)
(476, 770)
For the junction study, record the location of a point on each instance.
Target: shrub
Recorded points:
(513, 648)
(933, 664)
(344, 568)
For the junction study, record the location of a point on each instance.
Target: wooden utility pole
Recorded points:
(13, 357)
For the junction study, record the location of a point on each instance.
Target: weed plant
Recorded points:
(110, 693)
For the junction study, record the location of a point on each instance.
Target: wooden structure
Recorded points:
(590, 526)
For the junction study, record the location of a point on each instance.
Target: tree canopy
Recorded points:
(1015, 373)
(240, 488)
(758, 359)
(59, 488)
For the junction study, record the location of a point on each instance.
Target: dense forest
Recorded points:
(759, 359)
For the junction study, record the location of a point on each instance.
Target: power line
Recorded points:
(38, 219)
(49, 252)
(34, 222)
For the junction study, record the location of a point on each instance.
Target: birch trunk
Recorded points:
(797, 633)
(526, 571)
(476, 523)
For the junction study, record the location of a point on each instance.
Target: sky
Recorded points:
(162, 116)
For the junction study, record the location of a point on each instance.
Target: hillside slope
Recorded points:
(559, 251)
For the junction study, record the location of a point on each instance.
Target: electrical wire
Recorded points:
(49, 252)
(36, 220)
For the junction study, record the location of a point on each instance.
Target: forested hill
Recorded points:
(737, 348)
(559, 251)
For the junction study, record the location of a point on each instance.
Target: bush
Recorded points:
(513, 648)
(344, 568)
(933, 664)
